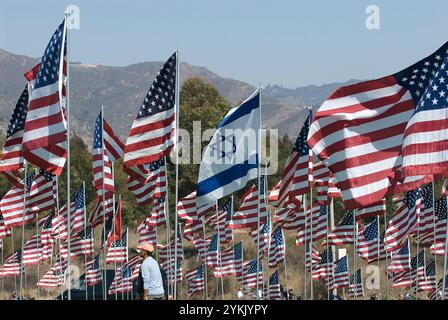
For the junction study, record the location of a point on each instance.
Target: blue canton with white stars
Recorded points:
(79, 198)
(278, 236)
(410, 198)
(427, 81)
(238, 251)
(427, 196)
(98, 134)
(122, 242)
(301, 145)
(441, 210)
(348, 219)
(371, 231)
(341, 265)
(161, 95)
(49, 68)
(17, 122)
(274, 279)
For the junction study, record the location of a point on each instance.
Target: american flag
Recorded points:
(187, 210)
(147, 182)
(115, 231)
(429, 282)
(151, 134)
(40, 196)
(364, 131)
(76, 216)
(340, 277)
(404, 220)
(212, 259)
(59, 263)
(290, 219)
(146, 234)
(231, 262)
(274, 291)
(316, 229)
(125, 275)
(196, 280)
(168, 252)
(312, 258)
(32, 251)
(174, 272)
(400, 259)
(325, 266)
(98, 213)
(93, 271)
(297, 174)
(325, 183)
(424, 145)
(369, 247)
(51, 279)
(249, 276)
(426, 218)
(246, 215)
(438, 294)
(12, 265)
(114, 146)
(81, 244)
(118, 250)
(344, 232)
(438, 247)
(4, 231)
(261, 237)
(373, 210)
(191, 229)
(11, 159)
(157, 215)
(356, 287)
(101, 165)
(201, 245)
(221, 222)
(410, 278)
(276, 248)
(45, 131)
(274, 195)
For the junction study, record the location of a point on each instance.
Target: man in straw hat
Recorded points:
(152, 277)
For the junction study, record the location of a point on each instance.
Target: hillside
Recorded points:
(121, 90)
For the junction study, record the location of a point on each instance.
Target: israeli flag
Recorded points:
(231, 158)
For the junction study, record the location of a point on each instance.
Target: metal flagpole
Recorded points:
(311, 239)
(103, 199)
(378, 249)
(387, 259)
(168, 231)
(258, 197)
(445, 259)
(67, 110)
(418, 260)
(113, 232)
(25, 190)
(177, 99)
(3, 249)
(355, 239)
(85, 227)
(434, 221)
(305, 247)
(219, 249)
(328, 246)
(12, 248)
(38, 256)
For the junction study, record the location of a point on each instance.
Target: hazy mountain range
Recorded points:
(122, 89)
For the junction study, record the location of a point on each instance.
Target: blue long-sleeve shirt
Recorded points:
(152, 277)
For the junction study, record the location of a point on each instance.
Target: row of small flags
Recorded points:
(347, 133)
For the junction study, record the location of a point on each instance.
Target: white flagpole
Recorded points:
(12, 248)
(85, 227)
(434, 221)
(25, 190)
(311, 240)
(378, 249)
(355, 239)
(67, 110)
(38, 256)
(445, 257)
(219, 249)
(113, 232)
(258, 197)
(177, 100)
(418, 253)
(305, 247)
(205, 262)
(168, 231)
(103, 199)
(387, 259)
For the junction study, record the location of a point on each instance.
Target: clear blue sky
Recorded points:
(287, 42)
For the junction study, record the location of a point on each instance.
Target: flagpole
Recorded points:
(113, 232)
(12, 248)
(168, 231)
(387, 259)
(22, 266)
(3, 249)
(305, 247)
(418, 253)
(219, 249)
(379, 252)
(445, 257)
(328, 246)
(103, 199)
(177, 99)
(38, 255)
(85, 233)
(259, 188)
(355, 239)
(311, 239)
(67, 110)
(434, 221)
